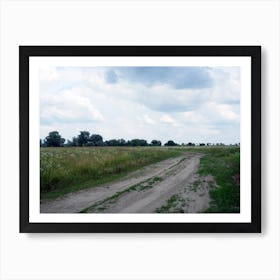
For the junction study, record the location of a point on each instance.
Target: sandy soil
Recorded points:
(193, 197)
(143, 191)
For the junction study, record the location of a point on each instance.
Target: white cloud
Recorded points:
(68, 106)
(74, 99)
(220, 112)
(227, 113)
(148, 120)
(226, 88)
(193, 117)
(167, 119)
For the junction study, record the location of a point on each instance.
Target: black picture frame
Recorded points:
(254, 52)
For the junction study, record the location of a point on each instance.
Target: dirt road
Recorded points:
(143, 191)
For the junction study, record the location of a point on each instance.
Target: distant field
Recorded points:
(65, 170)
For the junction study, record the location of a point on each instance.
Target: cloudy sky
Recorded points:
(184, 104)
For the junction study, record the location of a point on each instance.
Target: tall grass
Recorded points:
(63, 170)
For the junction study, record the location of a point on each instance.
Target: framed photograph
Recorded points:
(140, 139)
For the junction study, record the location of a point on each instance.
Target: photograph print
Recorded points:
(141, 139)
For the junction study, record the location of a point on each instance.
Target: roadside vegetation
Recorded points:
(224, 165)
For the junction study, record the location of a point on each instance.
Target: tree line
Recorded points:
(85, 139)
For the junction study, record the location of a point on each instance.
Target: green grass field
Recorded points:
(64, 170)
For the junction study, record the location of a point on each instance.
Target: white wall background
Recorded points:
(139, 256)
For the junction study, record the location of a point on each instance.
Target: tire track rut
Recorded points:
(147, 196)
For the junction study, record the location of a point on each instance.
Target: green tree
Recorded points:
(170, 143)
(112, 142)
(115, 142)
(74, 142)
(138, 142)
(54, 139)
(122, 142)
(83, 138)
(155, 143)
(95, 140)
